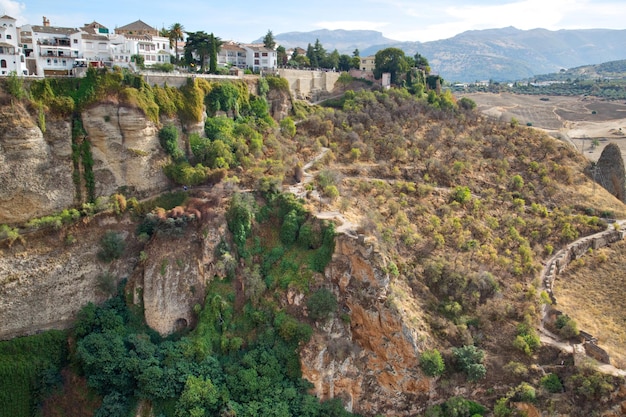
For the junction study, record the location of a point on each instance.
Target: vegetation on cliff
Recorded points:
(463, 209)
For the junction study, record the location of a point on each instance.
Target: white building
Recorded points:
(50, 50)
(232, 54)
(12, 58)
(139, 38)
(260, 58)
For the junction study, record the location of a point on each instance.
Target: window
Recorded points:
(9, 37)
(64, 63)
(256, 54)
(256, 62)
(21, 58)
(264, 54)
(75, 40)
(3, 63)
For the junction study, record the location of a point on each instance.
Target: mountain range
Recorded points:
(505, 54)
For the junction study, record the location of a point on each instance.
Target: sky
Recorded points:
(402, 20)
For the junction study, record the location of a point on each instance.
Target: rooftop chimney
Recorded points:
(46, 21)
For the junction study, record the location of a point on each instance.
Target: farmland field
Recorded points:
(578, 120)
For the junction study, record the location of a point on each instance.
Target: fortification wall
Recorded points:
(561, 260)
(306, 85)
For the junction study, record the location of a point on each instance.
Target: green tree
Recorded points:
(432, 363)
(281, 55)
(551, 383)
(321, 304)
(197, 48)
(200, 397)
(391, 60)
(168, 138)
(268, 40)
(176, 33)
(422, 63)
(112, 246)
(469, 360)
(215, 45)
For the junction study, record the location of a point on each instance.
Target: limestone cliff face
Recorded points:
(35, 169)
(175, 275)
(372, 362)
(126, 150)
(45, 282)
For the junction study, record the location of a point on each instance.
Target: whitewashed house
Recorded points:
(259, 58)
(50, 49)
(139, 38)
(12, 58)
(232, 54)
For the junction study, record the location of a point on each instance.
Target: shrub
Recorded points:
(432, 363)
(551, 383)
(168, 138)
(590, 385)
(289, 228)
(527, 339)
(461, 194)
(112, 246)
(321, 304)
(239, 217)
(524, 392)
(469, 360)
(567, 327)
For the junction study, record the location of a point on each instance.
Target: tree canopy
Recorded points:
(391, 60)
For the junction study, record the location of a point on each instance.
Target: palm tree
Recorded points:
(176, 33)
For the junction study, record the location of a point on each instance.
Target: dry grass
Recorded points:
(592, 293)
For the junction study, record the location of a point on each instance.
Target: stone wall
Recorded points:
(307, 85)
(561, 260)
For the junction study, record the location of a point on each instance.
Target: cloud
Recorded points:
(351, 25)
(13, 9)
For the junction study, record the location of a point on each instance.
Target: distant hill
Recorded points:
(614, 70)
(505, 54)
(345, 41)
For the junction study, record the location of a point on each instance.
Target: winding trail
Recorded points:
(345, 227)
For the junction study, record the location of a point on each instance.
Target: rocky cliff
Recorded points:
(368, 357)
(36, 167)
(46, 280)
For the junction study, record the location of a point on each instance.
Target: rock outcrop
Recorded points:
(176, 272)
(610, 173)
(371, 363)
(48, 279)
(35, 169)
(126, 150)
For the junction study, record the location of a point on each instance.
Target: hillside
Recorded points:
(382, 255)
(506, 54)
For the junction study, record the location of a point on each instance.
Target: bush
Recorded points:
(321, 304)
(461, 194)
(551, 383)
(469, 360)
(567, 327)
(112, 246)
(432, 363)
(168, 138)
